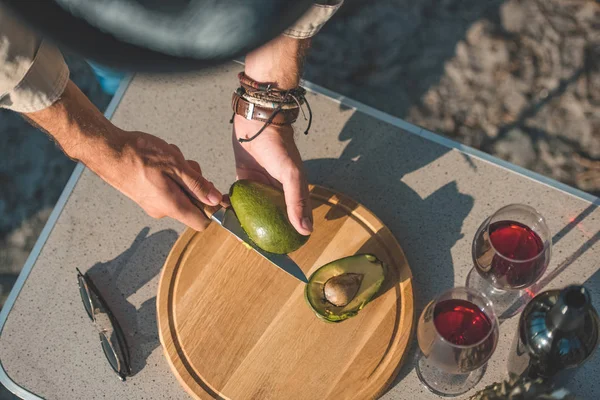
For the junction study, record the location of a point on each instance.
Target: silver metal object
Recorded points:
(228, 220)
(250, 111)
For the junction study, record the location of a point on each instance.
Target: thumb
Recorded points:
(297, 202)
(199, 187)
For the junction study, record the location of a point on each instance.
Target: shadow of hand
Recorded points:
(370, 171)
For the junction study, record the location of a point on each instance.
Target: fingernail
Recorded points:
(214, 197)
(307, 224)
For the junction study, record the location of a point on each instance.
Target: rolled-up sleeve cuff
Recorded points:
(313, 20)
(42, 85)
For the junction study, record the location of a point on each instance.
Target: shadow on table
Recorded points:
(576, 254)
(370, 170)
(124, 276)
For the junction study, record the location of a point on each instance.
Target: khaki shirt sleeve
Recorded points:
(314, 19)
(33, 73)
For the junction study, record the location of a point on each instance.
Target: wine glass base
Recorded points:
(507, 303)
(443, 383)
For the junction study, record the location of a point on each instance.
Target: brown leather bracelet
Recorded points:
(245, 80)
(267, 92)
(252, 111)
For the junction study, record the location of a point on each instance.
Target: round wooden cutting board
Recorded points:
(234, 326)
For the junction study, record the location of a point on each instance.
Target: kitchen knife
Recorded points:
(228, 220)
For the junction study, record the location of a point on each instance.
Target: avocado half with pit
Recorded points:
(262, 213)
(340, 289)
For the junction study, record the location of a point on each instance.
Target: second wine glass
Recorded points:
(511, 251)
(457, 334)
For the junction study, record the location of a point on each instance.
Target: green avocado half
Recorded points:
(340, 289)
(262, 214)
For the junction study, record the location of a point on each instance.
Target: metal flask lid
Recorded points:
(573, 326)
(571, 308)
(560, 330)
(160, 35)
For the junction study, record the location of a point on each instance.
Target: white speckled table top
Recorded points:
(431, 196)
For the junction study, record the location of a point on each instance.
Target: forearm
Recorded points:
(278, 62)
(145, 168)
(78, 127)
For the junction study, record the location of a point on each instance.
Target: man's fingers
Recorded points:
(195, 166)
(191, 216)
(199, 187)
(297, 201)
(185, 212)
(226, 202)
(176, 148)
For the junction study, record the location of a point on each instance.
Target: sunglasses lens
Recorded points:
(110, 353)
(85, 297)
(111, 336)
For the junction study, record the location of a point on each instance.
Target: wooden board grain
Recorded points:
(233, 326)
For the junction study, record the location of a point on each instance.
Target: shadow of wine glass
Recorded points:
(516, 299)
(574, 222)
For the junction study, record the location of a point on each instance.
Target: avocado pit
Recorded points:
(341, 289)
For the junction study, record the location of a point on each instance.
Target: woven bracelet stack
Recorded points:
(262, 102)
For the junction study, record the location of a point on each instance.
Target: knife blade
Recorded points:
(227, 219)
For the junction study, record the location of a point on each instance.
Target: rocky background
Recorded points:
(519, 79)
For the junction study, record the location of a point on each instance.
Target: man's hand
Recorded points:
(146, 169)
(156, 176)
(273, 158)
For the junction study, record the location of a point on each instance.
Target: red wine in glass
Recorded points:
(510, 254)
(461, 322)
(467, 326)
(457, 334)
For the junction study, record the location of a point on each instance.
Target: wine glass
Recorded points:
(457, 334)
(511, 251)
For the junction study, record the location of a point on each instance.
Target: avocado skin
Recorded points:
(262, 213)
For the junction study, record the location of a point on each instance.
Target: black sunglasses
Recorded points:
(111, 335)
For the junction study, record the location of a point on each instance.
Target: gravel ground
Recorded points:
(519, 79)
